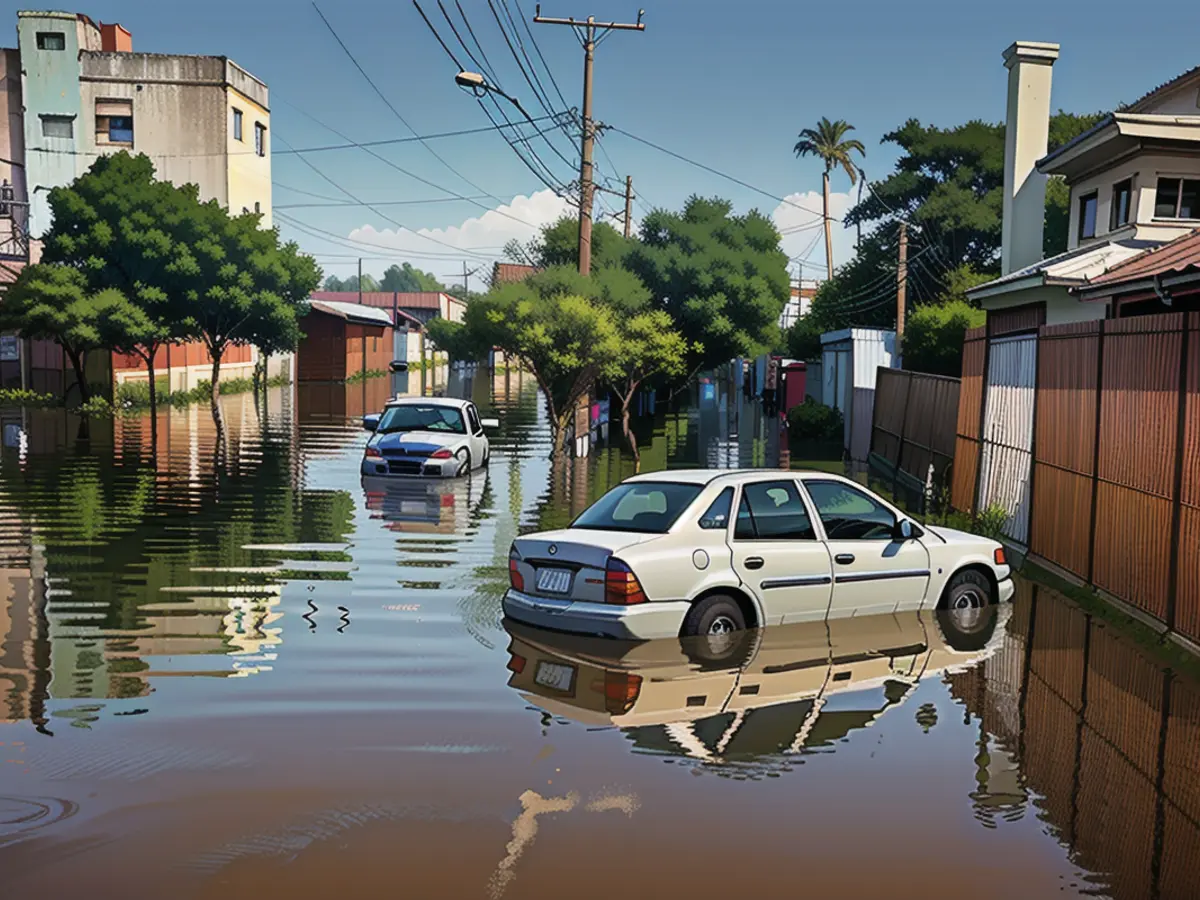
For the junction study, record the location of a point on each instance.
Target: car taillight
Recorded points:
(441, 454)
(516, 664)
(621, 585)
(373, 452)
(999, 557)
(515, 578)
(620, 692)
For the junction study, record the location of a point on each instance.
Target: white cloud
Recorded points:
(790, 216)
(521, 219)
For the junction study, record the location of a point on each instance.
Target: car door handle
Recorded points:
(844, 559)
(754, 562)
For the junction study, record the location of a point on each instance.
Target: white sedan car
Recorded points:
(436, 437)
(706, 551)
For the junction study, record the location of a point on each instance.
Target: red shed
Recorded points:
(343, 339)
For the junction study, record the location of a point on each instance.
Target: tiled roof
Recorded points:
(1178, 255)
(1140, 104)
(505, 273)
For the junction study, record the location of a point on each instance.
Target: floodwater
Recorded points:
(228, 672)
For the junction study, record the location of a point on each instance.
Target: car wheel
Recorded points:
(967, 603)
(487, 455)
(465, 467)
(714, 617)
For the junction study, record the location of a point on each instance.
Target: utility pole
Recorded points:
(628, 204)
(360, 281)
(901, 281)
(590, 33)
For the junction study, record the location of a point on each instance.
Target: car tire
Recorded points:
(466, 464)
(716, 615)
(966, 613)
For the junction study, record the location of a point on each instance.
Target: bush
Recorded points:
(813, 421)
(95, 406)
(22, 397)
(804, 339)
(359, 377)
(933, 336)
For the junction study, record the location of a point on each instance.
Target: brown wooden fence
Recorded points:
(913, 429)
(1115, 474)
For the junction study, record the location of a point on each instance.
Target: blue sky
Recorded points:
(728, 84)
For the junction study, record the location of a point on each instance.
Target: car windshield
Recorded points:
(650, 507)
(414, 417)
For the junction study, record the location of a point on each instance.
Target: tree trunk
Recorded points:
(216, 379)
(828, 230)
(149, 357)
(77, 363)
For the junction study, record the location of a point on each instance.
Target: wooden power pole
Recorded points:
(628, 204)
(901, 281)
(589, 33)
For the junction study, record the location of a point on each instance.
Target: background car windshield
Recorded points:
(422, 418)
(650, 507)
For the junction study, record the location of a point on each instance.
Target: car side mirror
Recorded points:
(371, 422)
(904, 530)
(490, 423)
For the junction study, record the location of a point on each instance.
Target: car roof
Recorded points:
(429, 401)
(726, 476)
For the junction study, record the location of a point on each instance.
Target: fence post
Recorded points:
(1177, 497)
(1091, 570)
(903, 431)
(983, 395)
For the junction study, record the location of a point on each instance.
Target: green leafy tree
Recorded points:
(803, 339)
(722, 278)
(829, 143)
(406, 278)
(647, 347)
(558, 245)
(333, 283)
(564, 338)
(933, 334)
(53, 302)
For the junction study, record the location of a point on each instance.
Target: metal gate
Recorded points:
(1007, 434)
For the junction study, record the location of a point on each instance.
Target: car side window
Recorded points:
(850, 514)
(473, 415)
(773, 511)
(716, 517)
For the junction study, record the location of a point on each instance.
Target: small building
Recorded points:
(799, 303)
(511, 273)
(342, 340)
(850, 360)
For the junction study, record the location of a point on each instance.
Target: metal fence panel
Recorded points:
(1006, 455)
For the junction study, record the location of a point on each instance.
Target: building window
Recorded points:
(114, 122)
(1177, 198)
(1087, 216)
(58, 126)
(237, 124)
(257, 209)
(1122, 197)
(51, 40)
(260, 138)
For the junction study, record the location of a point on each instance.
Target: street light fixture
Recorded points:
(478, 85)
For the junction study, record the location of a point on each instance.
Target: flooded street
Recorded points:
(231, 672)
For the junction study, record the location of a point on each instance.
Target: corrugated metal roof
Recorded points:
(353, 312)
(506, 273)
(1076, 265)
(1178, 255)
(386, 299)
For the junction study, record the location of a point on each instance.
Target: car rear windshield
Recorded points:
(649, 507)
(414, 417)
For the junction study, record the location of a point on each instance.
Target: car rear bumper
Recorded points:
(643, 622)
(1006, 589)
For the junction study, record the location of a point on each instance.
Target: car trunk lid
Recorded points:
(569, 564)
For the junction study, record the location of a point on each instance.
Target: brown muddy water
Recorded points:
(233, 674)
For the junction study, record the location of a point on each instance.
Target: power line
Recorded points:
(354, 243)
(348, 204)
(483, 129)
(717, 172)
(538, 50)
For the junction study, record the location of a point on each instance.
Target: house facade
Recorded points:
(74, 91)
(1134, 181)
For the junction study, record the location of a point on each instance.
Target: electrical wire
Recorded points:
(347, 204)
(717, 172)
(354, 243)
(538, 50)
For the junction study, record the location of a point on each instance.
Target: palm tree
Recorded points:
(828, 142)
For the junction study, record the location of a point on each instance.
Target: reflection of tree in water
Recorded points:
(117, 529)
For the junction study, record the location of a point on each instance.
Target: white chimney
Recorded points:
(1025, 140)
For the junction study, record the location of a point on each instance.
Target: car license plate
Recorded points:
(555, 677)
(554, 581)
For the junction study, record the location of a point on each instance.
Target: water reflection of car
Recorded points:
(666, 555)
(753, 694)
(431, 437)
(424, 507)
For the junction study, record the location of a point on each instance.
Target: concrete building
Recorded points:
(1134, 180)
(75, 91)
(799, 302)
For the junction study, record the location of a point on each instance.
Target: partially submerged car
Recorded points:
(749, 695)
(703, 551)
(432, 437)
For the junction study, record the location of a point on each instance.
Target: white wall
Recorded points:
(1145, 172)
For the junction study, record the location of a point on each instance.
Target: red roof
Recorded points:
(1178, 255)
(388, 299)
(506, 273)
